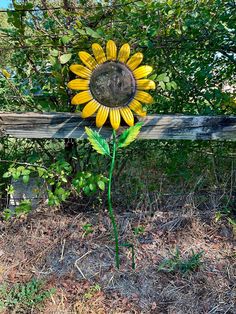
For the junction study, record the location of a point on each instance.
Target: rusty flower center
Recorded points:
(112, 84)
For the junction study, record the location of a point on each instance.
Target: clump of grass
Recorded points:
(23, 297)
(176, 263)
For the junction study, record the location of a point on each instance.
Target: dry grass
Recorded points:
(53, 246)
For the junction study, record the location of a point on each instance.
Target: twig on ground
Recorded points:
(76, 263)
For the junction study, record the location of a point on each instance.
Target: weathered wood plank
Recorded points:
(67, 125)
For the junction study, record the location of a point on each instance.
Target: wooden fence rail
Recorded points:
(69, 125)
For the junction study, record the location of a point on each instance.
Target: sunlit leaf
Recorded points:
(66, 39)
(98, 142)
(65, 58)
(162, 84)
(163, 77)
(129, 135)
(101, 185)
(92, 33)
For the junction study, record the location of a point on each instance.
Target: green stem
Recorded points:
(111, 212)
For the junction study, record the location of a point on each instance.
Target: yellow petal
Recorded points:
(81, 98)
(135, 61)
(143, 97)
(137, 107)
(142, 71)
(124, 53)
(78, 84)
(111, 50)
(127, 115)
(101, 116)
(6, 73)
(98, 53)
(115, 118)
(88, 60)
(80, 70)
(145, 84)
(90, 108)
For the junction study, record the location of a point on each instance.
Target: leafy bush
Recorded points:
(59, 183)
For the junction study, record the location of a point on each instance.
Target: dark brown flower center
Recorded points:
(112, 84)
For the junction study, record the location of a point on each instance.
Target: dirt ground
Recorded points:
(53, 246)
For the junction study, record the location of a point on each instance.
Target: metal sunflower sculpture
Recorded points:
(112, 84)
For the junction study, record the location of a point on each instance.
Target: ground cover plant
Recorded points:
(23, 297)
(175, 201)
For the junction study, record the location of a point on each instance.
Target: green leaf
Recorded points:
(54, 53)
(81, 31)
(25, 178)
(86, 190)
(41, 171)
(129, 135)
(7, 174)
(16, 175)
(65, 58)
(173, 84)
(92, 187)
(162, 84)
(92, 33)
(168, 86)
(66, 39)
(163, 77)
(101, 185)
(152, 77)
(25, 172)
(98, 143)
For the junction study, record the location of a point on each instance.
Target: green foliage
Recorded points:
(190, 45)
(88, 182)
(65, 58)
(88, 229)
(228, 212)
(92, 291)
(183, 265)
(58, 180)
(23, 208)
(55, 177)
(24, 297)
(18, 172)
(129, 135)
(92, 33)
(139, 230)
(98, 142)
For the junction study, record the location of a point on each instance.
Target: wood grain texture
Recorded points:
(168, 127)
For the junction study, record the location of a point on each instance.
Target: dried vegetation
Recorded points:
(54, 247)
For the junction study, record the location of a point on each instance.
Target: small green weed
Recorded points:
(138, 230)
(229, 213)
(23, 208)
(92, 291)
(183, 265)
(88, 228)
(23, 296)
